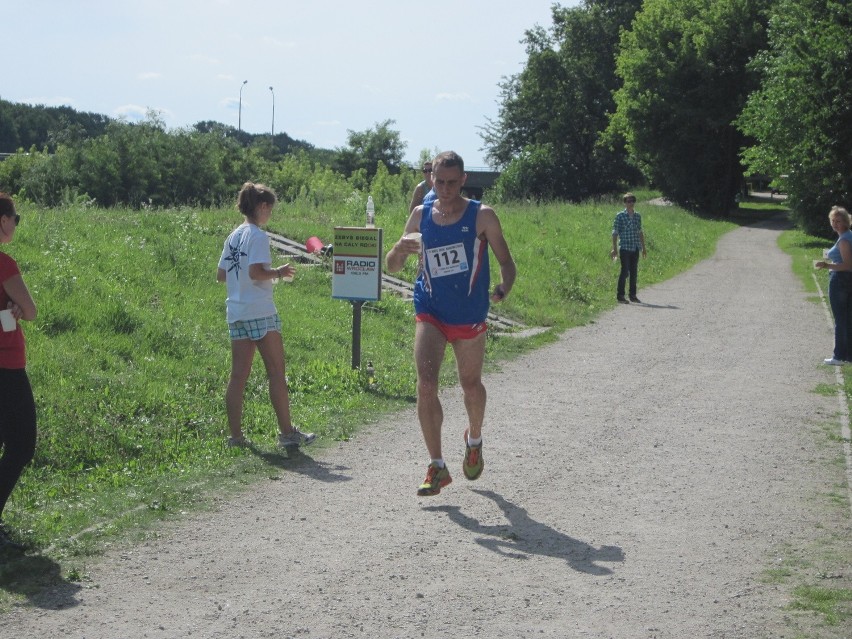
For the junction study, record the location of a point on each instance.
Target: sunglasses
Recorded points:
(429, 170)
(630, 201)
(17, 218)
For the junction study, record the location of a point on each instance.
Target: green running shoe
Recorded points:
(436, 479)
(473, 462)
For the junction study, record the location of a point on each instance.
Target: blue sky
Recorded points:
(433, 67)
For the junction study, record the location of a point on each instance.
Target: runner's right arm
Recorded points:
(396, 257)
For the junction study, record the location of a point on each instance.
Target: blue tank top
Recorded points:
(834, 254)
(454, 281)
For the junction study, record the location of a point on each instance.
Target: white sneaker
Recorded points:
(833, 362)
(295, 438)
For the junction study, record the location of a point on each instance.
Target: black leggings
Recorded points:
(17, 428)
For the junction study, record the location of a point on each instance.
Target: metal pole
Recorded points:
(240, 120)
(356, 333)
(273, 114)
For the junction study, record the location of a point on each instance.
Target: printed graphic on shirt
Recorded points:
(447, 260)
(234, 258)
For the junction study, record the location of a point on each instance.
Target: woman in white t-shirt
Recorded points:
(253, 322)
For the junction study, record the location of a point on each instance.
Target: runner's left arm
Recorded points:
(490, 227)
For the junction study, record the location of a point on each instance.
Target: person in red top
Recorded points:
(17, 406)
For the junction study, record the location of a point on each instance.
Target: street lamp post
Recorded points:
(273, 114)
(240, 120)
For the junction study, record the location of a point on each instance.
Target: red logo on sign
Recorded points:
(339, 267)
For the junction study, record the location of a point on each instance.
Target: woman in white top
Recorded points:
(840, 285)
(253, 321)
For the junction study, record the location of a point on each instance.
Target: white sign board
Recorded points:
(357, 264)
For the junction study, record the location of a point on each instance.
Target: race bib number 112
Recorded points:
(447, 260)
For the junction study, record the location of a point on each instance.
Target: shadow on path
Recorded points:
(663, 306)
(776, 219)
(39, 579)
(524, 536)
(298, 462)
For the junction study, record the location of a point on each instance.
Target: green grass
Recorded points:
(129, 356)
(821, 588)
(833, 604)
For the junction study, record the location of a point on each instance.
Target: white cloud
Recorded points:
(150, 75)
(453, 97)
(373, 89)
(279, 44)
(204, 59)
(131, 112)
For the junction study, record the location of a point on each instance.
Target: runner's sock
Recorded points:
(474, 441)
(438, 462)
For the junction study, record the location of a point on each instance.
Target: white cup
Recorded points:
(283, 278)
(414, 236)
(8, 320)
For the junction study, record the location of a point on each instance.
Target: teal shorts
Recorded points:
(254, 329)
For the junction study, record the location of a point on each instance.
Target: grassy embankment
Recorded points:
(129, 356)
(819, 577)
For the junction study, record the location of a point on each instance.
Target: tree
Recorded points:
(685, 81)
(51, 179)
(124, 166)
(530, 176)
(10, 139)
(802, 117)
(99, 171)
(552, 114)
(14, 169)
(190, 168)
(224, 130)
(23, 125)
(367, 148)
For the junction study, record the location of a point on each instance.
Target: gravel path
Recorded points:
(641, 476)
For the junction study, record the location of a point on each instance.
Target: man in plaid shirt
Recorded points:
(627, 232)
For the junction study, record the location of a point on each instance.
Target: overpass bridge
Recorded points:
(479, 178)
